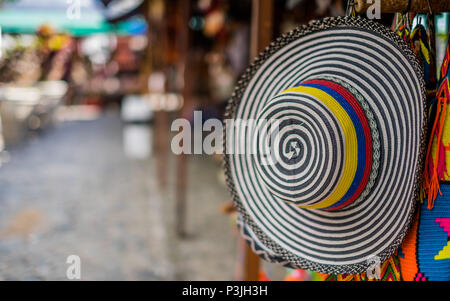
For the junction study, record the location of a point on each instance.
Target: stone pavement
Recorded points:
(72, 191)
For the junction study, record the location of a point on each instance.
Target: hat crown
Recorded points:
(314, 145)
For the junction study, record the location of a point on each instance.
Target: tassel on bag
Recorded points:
(436, 170)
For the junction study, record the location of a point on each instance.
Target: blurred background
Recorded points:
(88, 92)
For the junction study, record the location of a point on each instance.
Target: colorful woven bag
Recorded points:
(389, 271)
(425, 253)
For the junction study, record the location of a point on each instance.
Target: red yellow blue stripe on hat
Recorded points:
(358, 141)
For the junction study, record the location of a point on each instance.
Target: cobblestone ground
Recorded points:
(72, 191)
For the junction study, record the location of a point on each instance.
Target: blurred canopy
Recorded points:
(81, 18)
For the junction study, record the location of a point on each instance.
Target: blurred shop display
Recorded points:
(135, 108)
(32, 82)
(122, 9)
(23, 109)
(138, 141)
(29, 108)
(78, 18)
(65, 54)
(16, 107)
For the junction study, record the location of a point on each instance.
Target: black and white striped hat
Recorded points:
(324, 154)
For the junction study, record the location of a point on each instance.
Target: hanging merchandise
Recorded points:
(437, 163)
(425, 253)
(350, 10)
(303, 275)
(402, 26)
(432, 80)
(263, 276)
(328, 174)
(433, 248)
(421, 45)
(388, 271)
(408, 253)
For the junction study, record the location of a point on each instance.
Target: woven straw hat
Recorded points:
(324, 156)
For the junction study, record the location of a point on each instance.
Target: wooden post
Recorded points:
(182, 160)
(262, 26)
(146, 68)
(155, 61)
(161, 117)
(261, 36)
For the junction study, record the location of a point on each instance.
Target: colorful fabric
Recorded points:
(389, 271)
(446, 61)
(437, 164)
(408, 253)
(445, 252)
(262, 276)
(433, 238)
(403, 33)
(420, 43)
(425, 253)
(302, 275)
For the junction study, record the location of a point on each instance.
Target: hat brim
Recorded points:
(382, 68)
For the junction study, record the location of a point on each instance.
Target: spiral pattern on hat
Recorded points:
(301, 151)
